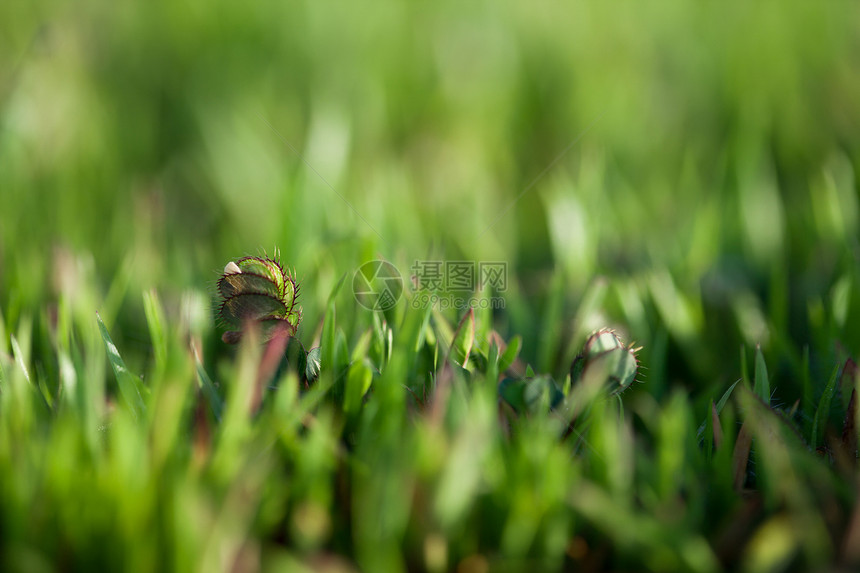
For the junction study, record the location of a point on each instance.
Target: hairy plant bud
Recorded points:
(258, 290)
(604, 355)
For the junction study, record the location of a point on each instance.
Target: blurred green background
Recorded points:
(702, 158)
(684, 172)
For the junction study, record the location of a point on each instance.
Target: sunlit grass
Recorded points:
(684, 175)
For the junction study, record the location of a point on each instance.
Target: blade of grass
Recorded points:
(590, 305)
(725, 398)
(761, 386)
(129, 385)
(808, 400)
(464, 338)
(327, 339)
(155, 320)
(741, 456)
(510, 354)
(551, 326)
(208, 388)
(718, 407)
(717, 428)
(19, 358)
(823, 410)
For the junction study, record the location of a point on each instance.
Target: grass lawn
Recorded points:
(429, 287)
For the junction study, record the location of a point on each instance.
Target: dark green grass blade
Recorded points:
(745, 374)
(808, 397)
(761, 386)
(823, 410)
(725, 397)
(718, 408)
(209, 390)
(510, 354)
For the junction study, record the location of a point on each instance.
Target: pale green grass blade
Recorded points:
(155, 320)
(19, 359)
(329, 331)
(3, 338)
(129, 384)
(551, 326)
(312, 368)
(358, 380)
(464, 338)
(586, 319)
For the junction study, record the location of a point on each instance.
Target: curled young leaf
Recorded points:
(258, 290)
(604, 355)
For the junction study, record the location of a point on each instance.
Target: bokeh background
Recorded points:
(685, 172)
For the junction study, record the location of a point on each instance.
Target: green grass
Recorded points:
(686, 175)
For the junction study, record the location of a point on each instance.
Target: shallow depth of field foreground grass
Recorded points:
(686, 175)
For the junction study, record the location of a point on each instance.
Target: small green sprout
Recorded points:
(258, 290)
(605, 355)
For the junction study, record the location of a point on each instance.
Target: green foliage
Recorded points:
(683, 175)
